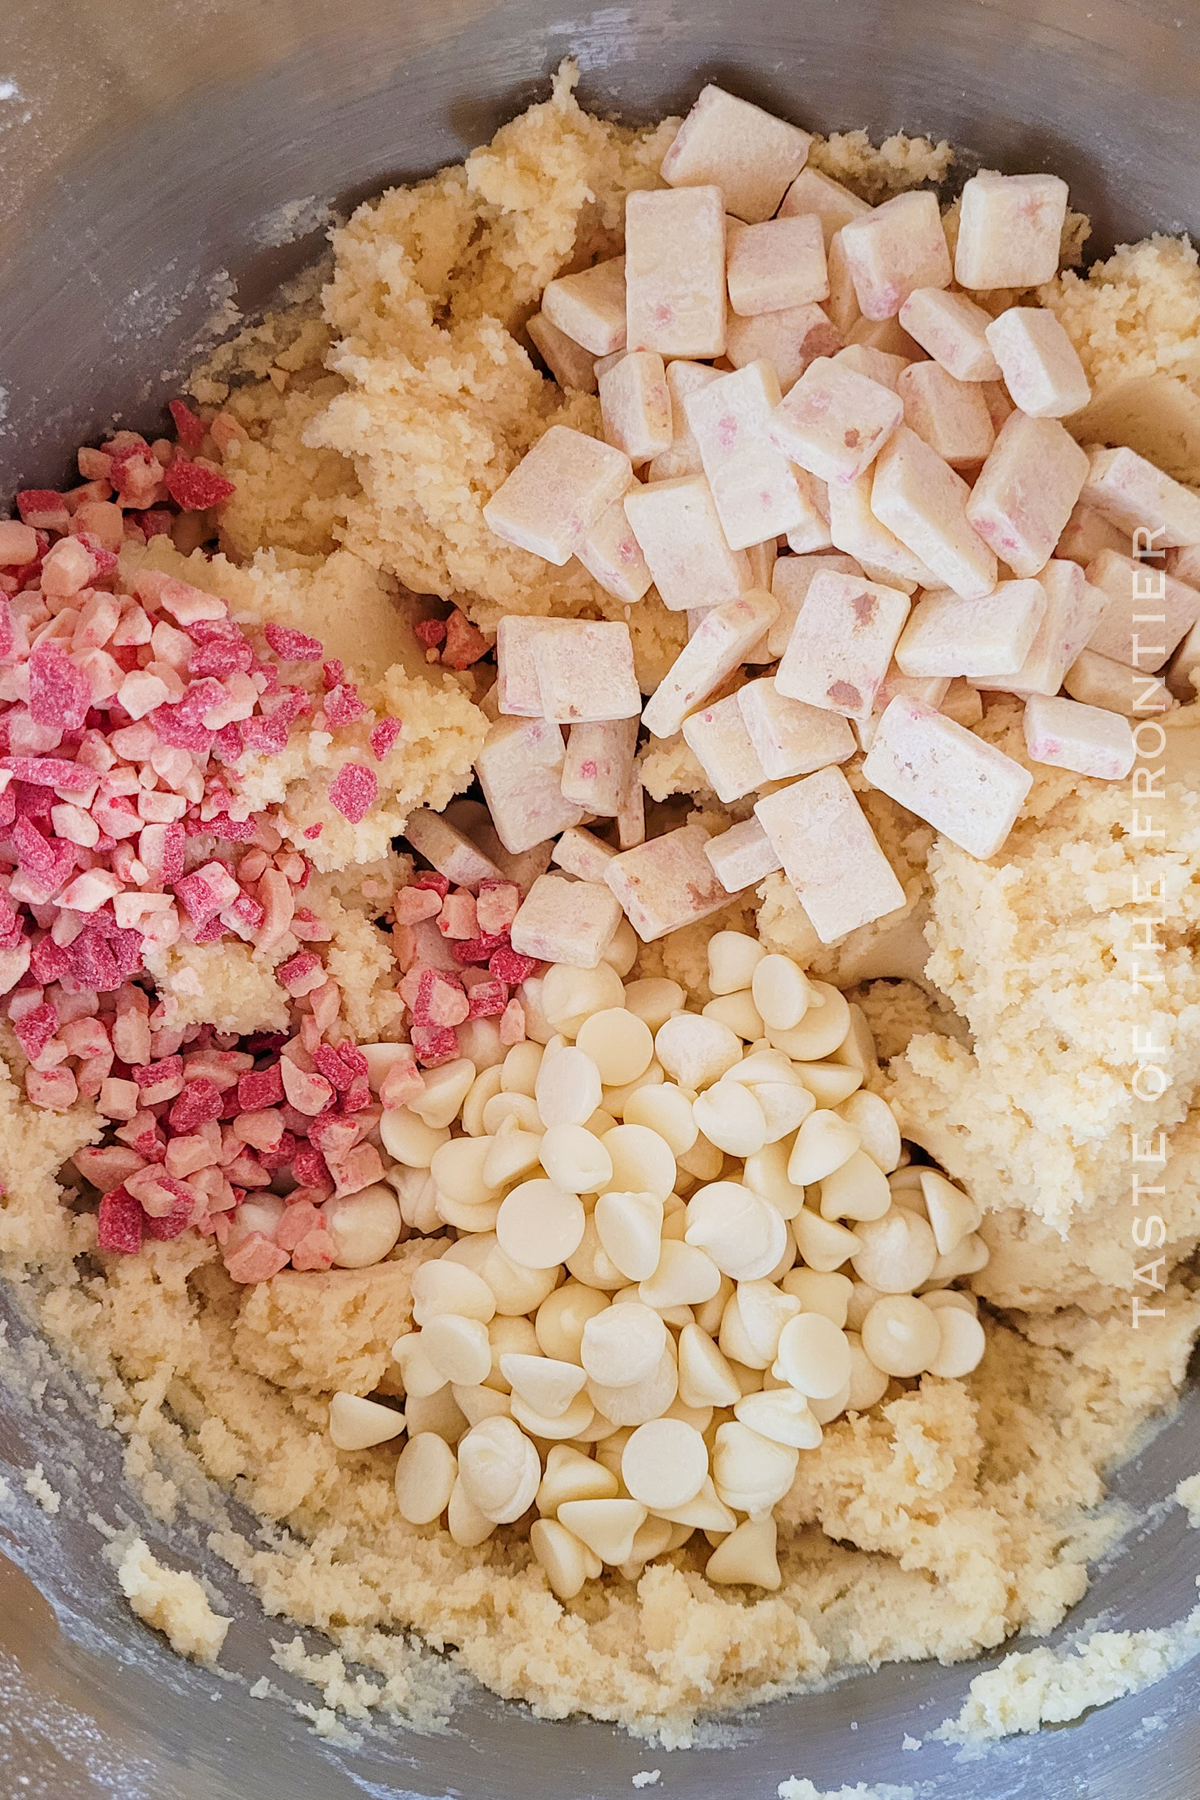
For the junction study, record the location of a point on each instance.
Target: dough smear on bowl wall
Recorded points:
(567, 882)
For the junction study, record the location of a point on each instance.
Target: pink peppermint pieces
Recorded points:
(353, 791)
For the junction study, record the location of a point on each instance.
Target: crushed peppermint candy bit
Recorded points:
(196, 486)
(353, 791)
(384, 736)
(292, 646)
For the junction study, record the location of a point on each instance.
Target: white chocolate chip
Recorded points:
(664, 1464)
(425, 1476)
(358, 1424)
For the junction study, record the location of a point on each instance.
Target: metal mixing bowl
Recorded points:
(146, 150)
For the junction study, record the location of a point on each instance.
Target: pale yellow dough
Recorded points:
(958, 1512)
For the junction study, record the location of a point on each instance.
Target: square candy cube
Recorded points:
(612, 556)
(631, 820)
(898, 247)
(1099, 681)
(1040, 365)
(568, 362)
(565, 921)
(962, 786)
(876, 365)
(742, 856)
(788, 737)
(834, 422)
(683, 456)
(753, 484)
(842, 644)
(917, 495)
(790, 580)
(718, 738)
(953, 329)
(679, 533)
(1130, 492)
(520, 772)
(598, 766)
(1184, 673)
(789, 340)
(448, 850)
(750, 155)
(961, 702)
(811, 532)
(1086, 739)
(666, 883)
(581, 852)
(842, 305)
(829, 853)
(1149, 612)
(833, 204)
(776, 264)
(557, 492)
(635, 406)
(950, 415)
(1074, 608)
(675, 271)
(517, 692)
(590, 307)
(878, 551)
(718, 646)
(1088, 532)
(947, 635)
(1023, 495)
(1009, 231)
(585, 671)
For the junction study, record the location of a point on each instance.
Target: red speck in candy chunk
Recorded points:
(481, 949)
(43, 509)
(313, 831)
(509, 965)
(333, 673)
(49, 960)
(434, 1044)
(170, 1224)
(429, 878)
(292, 646)
(119, 1222)
(59, 693)
(68, 778)
(354, 791)
(260, 1089)
(343, 706)
(195, 488)
(357, 1095)
(383, 736)
(464, 643)
(190, 429)
(35, 1030)
(44, 865)
(308, 1166)
(439, 999)
(161, 849)
(199, 1102)
(486, 1000)
(167, 1069)
(431, 632)
(331, 1066)
(221, 656)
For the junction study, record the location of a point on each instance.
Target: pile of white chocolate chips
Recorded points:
(676, 1238)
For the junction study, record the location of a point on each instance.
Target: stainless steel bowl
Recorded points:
(144, 149)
